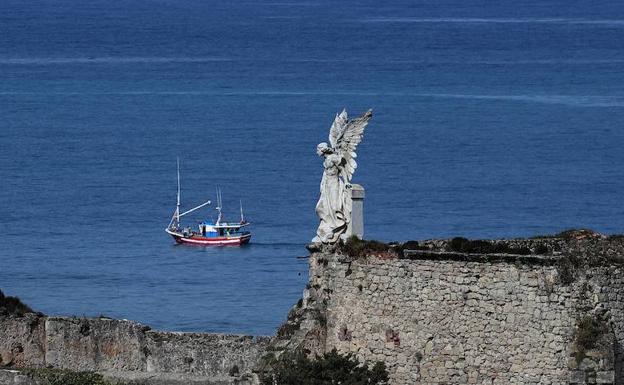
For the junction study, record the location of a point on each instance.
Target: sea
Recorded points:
(491, 119)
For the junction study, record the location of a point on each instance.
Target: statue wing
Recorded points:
(349, 139)
(337, 129)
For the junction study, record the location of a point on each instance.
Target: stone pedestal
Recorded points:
(356, 227)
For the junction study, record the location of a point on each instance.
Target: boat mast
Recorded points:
(241, 208)
(177, 213)
(218, 205)
(175, 219)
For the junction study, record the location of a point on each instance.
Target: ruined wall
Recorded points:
(470, 319)
(123, 347)
(22, 341)
(443, 322)
(95, 344)
(517, 312)
(608, 292)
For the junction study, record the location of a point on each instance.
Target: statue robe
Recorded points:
(333, 207)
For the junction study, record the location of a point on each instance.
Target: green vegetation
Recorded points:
(331, 368)
(287, 329)
(355, 247)
(412, 245)
(464, 245)
(567, 268)
(13, 306)
(583, 253)
(409, 245)
(566, 234)
(541, 249)
(589, 330)
(293, 321)
(320, 317)
(234, 371)
(576, 233)
(67, 377)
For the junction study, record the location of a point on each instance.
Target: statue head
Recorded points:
(323, 148)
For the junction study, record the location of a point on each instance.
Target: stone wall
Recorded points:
(95, 344)
(439, 317)
(22, 341)
(124, 348)
(607, 292)
(546, 311)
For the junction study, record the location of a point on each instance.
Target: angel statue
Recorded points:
(334, 205)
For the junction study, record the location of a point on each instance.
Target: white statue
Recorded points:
(334, 205)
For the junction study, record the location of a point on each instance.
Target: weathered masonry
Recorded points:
(438, 316)
(526, 311)
(127, 350)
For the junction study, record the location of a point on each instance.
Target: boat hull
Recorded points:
(212, 241)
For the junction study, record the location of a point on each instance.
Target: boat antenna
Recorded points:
(241, 208)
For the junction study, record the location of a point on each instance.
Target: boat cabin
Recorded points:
(210, 230)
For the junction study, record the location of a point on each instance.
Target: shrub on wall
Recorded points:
(589, 330)
(50, 376)
(355, 247)
(331, 368)
(13, 306)
(465, 245)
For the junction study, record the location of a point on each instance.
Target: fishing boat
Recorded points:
(217, 233)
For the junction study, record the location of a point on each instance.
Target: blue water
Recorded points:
(492, 119)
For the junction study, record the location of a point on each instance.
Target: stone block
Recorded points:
(605, 377)
(578, 377)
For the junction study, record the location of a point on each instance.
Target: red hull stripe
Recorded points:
(215, 241)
